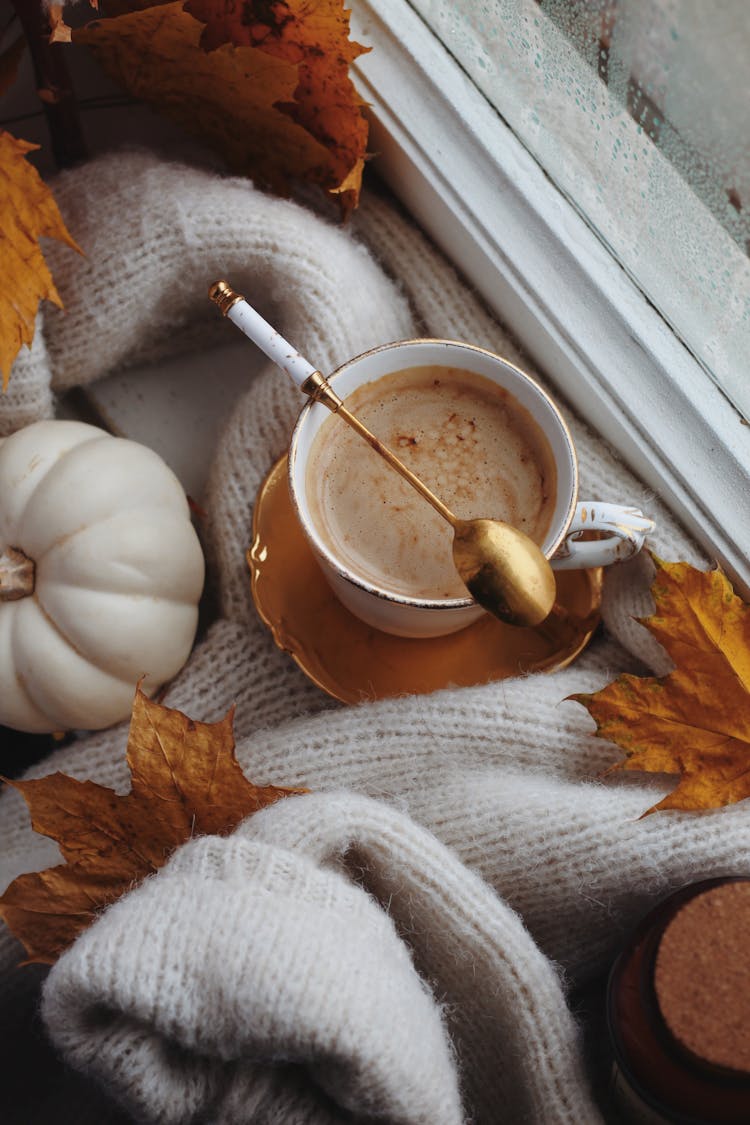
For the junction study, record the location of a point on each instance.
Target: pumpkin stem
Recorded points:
(17, 575)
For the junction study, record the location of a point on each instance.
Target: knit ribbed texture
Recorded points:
(28, 397)
(302, 970)
(384, 946)
(305, 968)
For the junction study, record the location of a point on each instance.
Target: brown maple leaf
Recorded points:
(695, 721)
(264, 84)
(314, 35)
(186, 781)
(27, 212)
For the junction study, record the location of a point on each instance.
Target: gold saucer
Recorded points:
(354, 662)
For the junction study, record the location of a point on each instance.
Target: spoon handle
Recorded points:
(397, 464)
(309, 380)
(235, 308)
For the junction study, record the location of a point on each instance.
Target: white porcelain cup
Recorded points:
(623, 528)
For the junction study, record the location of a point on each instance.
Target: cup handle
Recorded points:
(625, 530)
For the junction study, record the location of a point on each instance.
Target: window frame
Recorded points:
(480, 195)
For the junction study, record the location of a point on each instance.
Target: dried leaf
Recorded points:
(59, 30)
(314, 35)
(270, 92)
(27, 211)
(186, 781)
(694, 722)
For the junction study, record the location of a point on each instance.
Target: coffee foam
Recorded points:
(470, 441)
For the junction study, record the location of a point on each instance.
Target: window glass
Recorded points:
(637, 109)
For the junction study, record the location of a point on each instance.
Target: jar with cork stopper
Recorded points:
(678, 1010)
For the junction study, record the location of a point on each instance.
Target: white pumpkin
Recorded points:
(100, 576)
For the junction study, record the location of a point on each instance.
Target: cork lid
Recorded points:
(702, 976)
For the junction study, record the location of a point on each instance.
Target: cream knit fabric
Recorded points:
(383, 947)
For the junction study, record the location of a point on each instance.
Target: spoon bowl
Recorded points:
(504, 570)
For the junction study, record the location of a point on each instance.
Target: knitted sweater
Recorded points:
(398, 945)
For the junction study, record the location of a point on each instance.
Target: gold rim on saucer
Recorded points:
(354, 662)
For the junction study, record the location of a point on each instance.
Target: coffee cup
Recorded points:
(483, 435)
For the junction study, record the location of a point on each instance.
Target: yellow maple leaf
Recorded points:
(27, 212)
(186, 781)
(695, 721)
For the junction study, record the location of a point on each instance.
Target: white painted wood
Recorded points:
(578, 128)
(480, 195)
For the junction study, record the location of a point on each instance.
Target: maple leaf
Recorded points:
(59, 30)
(265, 84)
(186, 781)
(27, 211)
(695, 721)
(314, 34)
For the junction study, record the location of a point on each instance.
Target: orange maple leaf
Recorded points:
(695, 721)
(186, 781)
(264, 84)
(59, 32)
(27, 211)
(314, 35)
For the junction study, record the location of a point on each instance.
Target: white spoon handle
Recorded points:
(269, 341)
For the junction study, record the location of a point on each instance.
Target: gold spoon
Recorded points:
(504, 570)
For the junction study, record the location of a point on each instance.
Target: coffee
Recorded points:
(468, 439)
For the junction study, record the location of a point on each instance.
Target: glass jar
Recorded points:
(678, 1010)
